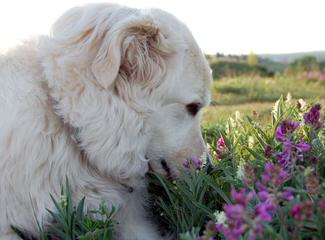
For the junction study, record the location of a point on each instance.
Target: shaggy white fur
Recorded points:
(106, 93)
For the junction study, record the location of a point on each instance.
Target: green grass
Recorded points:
(255, 96)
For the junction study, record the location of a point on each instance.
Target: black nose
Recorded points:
(209, 163)
(165, 166)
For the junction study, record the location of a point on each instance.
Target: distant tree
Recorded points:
(322, 66)
(252, 59)
(304, 64)
(223, 69)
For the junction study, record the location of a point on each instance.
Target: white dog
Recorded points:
(111, 91)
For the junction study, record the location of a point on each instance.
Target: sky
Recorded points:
(227, 26)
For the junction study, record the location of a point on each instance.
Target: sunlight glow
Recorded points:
(228, 26)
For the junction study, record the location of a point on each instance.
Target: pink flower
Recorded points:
(220, 147)
(302, 211)
(321, 204)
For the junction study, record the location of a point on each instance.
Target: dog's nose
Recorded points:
(165, 166)
(209, 162)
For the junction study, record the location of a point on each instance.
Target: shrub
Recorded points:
(222, 69)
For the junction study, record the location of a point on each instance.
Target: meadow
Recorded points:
(255, 96)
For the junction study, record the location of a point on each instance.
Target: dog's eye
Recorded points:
(193, 108)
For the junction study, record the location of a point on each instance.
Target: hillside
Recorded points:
(289, 57)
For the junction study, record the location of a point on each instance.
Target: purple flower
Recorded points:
(196, 162)
(274, 175)
(287, 195)
(285, 130)
(292, 153)
(234, 211)
(211, 230)
(186, 163)
(268, 151)
(313, 117)
(270, 192)
(263, 195)
(239, 219)
(302, 146)
(321, 204)
(235, 231)
(261, 187)
(263, 212)
(242, 197)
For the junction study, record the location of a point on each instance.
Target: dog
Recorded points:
(111, 92)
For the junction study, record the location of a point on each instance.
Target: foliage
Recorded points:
(252, 59)
(222, 69)
(308, 63)
(255, 96)
(270, 179)
(70, 222)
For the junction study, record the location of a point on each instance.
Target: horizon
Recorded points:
(228, 27)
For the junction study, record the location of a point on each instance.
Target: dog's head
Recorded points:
(148, 63)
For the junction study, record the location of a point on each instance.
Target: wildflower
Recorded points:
(292, 153)
(251, 142)
(321, 204)
(240, 171)
(63, 200)
(314, 160)
(194, 161)
(263, 211)
(220, 147)
(287, 195)
(313, 185)
(186, 163)
(301, 104)
(234, 211)
(269, 189)
(274, 175)
(263, 195)
(268, 151)
(302, 211)
(210, 231)
(241, 197)
(285, 130)
(313, 118)
(240, 220)
(249, 174)
(220, 217)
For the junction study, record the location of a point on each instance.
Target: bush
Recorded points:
(224, 69)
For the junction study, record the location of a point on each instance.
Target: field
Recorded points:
(256, 96)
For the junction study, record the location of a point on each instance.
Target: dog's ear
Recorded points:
(134, 52)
